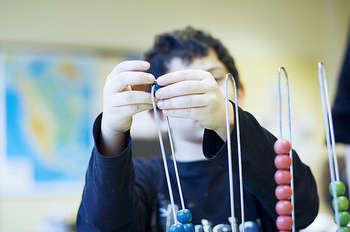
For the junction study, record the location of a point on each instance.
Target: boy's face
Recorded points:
(188, 129)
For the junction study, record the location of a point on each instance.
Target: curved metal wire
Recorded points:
(175, 165)
(163, 154)
(229, 154)
(282, 69)
(329, 133)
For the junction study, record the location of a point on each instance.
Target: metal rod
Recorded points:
(333, 167)
(175, 165)
(163, 154)
(282, 69)
(229, 153)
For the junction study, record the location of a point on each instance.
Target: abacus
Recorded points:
(283, 161)
(183, 217)
(284, 191)
(337, 188)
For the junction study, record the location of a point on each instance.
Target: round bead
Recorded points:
(344, 218)
(176, 228)
(339, 188)
(188, 227)
(283, 192)
(343, 229)
(284, 222)
(184, 216)
(282, 177)
(283, 161)
(342, 202)
(284, 208)
(281, 146)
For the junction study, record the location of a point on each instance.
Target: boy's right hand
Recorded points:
(120, 102)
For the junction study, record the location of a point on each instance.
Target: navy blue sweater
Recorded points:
(122, 194)
(341, 106)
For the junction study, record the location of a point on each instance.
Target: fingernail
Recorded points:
(159, 94)
(160, 104)
(159, 80)
(145, 64)
(151, 77)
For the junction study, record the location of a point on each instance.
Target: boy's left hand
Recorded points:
(194, 94)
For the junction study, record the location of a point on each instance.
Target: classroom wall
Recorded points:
(262, 35)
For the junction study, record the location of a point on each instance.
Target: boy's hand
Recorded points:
(194, 94)
(120, 101)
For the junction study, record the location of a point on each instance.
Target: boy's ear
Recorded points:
(162, 121)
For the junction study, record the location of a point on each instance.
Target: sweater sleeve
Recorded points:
(258, 168)
(115, 196)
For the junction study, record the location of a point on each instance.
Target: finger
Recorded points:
(139, 108)
(183, 102)
(182, 88)
(130, 98)
(131, 65)
(121, 81)
(191, 113)
(129, 110)
(191, 74)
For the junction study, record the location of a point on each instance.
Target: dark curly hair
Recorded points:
(186, 44)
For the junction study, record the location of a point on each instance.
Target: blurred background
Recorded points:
(55, 55)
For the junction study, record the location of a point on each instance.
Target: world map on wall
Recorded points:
(48, 103)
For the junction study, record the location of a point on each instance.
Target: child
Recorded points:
(122, 194)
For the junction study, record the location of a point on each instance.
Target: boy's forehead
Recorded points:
(208, 62)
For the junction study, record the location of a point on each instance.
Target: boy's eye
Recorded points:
(218, 77)
(218, 74)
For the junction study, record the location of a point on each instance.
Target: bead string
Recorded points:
(229, 154)
(279, 99)
(328, 127)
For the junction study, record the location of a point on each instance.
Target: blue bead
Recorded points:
(249, 226)
(156, 86)
(176, 228)
(188, 227)
(184, 216)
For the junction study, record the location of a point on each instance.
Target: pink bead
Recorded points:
(284, 208)
(284, 222)
(283, 161)
(283, 192)
(282, 177)
(281, 146)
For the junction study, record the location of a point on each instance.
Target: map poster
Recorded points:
(45, 120)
